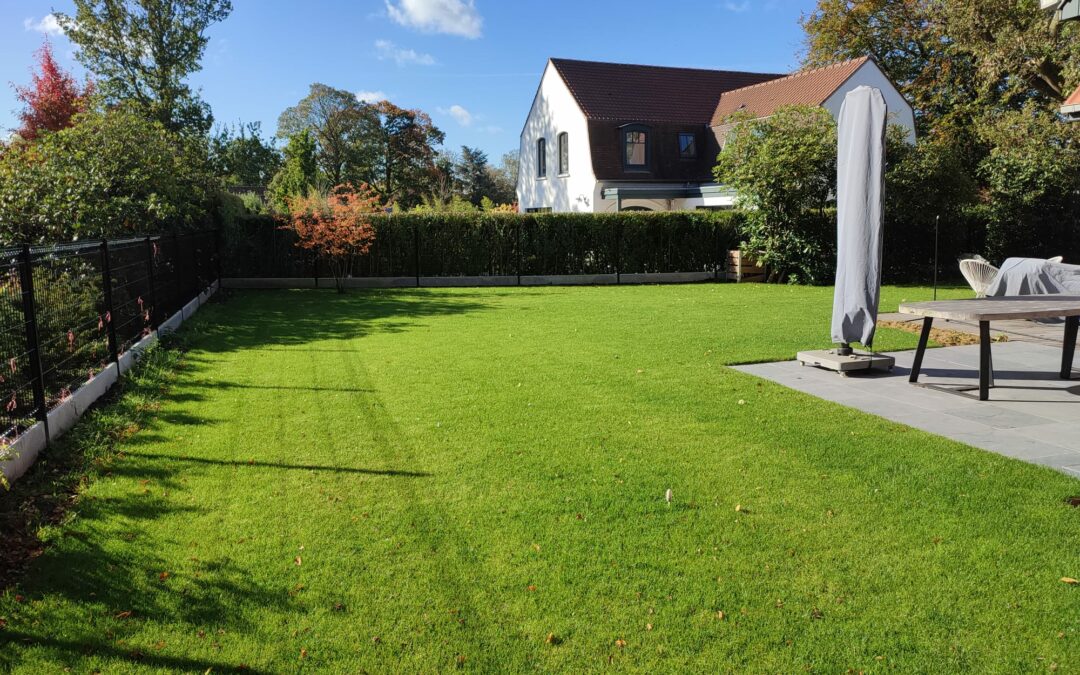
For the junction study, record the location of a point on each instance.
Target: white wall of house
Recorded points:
(900, 111)
(555, 111)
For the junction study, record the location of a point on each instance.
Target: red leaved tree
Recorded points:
(337, 227)
(52, 99)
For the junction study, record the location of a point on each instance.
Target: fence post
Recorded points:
(110, 325)
(217, 254)
(517, 246)
(33, 351)
(150, 276)
(618, 252)
(416, 251)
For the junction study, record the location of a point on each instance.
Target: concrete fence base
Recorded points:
(475, 281)
(17, 458)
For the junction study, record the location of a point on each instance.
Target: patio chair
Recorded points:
(979, 274)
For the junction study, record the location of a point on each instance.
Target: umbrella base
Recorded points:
(831, 359)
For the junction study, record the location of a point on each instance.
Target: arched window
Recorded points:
(541, 158)
(564, 154)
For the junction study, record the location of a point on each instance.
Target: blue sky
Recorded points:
(473, 65)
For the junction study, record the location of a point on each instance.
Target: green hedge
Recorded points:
(501, 244)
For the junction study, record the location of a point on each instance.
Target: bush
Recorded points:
(111, 174)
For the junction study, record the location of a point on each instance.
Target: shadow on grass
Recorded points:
(296, 318)
(135, 657)
(278, 465)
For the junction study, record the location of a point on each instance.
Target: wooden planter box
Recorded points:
(742, 268)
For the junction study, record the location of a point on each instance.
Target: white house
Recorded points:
(607, 137)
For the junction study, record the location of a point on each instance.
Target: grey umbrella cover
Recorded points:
(860, 186)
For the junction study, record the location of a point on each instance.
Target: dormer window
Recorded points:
(635, 140)
(687, 145)
(541, 158)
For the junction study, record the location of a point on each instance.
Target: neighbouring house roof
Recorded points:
(807, 87)
(1072, 104)
(622, 92)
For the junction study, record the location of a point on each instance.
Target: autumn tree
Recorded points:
(143, 52)
(337, 227)
(405, 162)
(52, 99)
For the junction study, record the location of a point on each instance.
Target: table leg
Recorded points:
(1068, 350)
(916, 366)
(985, 363)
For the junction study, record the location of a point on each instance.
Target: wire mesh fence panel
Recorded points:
(131, 291)
(16, 372)
(67, 311)
(72, 317)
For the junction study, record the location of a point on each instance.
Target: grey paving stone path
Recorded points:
(1032, 415)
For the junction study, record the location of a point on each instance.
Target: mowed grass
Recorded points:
(424, 480)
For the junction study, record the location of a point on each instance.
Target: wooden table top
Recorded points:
(997, 309)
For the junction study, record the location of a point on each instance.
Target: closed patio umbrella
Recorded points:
(859, 188)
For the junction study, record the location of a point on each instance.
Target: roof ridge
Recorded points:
(555, 59)
(799, 73)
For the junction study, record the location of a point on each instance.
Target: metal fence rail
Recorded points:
(67, 311)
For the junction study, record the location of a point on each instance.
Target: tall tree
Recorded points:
(143, 51)
(504, 179)
(52, 98)
(472, 175)
(345, 131)
(241, 156)
(299, 172)
(405, 164)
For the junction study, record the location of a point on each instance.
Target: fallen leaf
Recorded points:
(376, 639)
(738, 508)
(816, 614)
(20, 599)
(163, 576)
(460, 660)
(648, 626)
(338, 607)
(720, 615)
(124, 615)
(298, 561)
(159, 645)
(742, 402)
(303, 653)
(1069, 580)
(620, 643)
(530, 588)
(551, 639)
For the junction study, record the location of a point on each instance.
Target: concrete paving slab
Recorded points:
(1032, 416)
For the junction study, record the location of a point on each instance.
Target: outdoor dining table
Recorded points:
(985, 310)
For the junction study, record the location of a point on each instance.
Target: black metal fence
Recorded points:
(68, 311)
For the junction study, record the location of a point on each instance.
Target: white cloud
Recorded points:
(387, 50)
(737, 6)
(48, 25)
(452, 17)
(371, 96)
(460, 114)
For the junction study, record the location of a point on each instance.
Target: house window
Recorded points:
(541, 158)
(635, 147)
(687, 146)
(564, 154)
(539, 209)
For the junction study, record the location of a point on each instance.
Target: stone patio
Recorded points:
(1032, 415)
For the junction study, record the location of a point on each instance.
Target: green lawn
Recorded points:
(421, 480)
